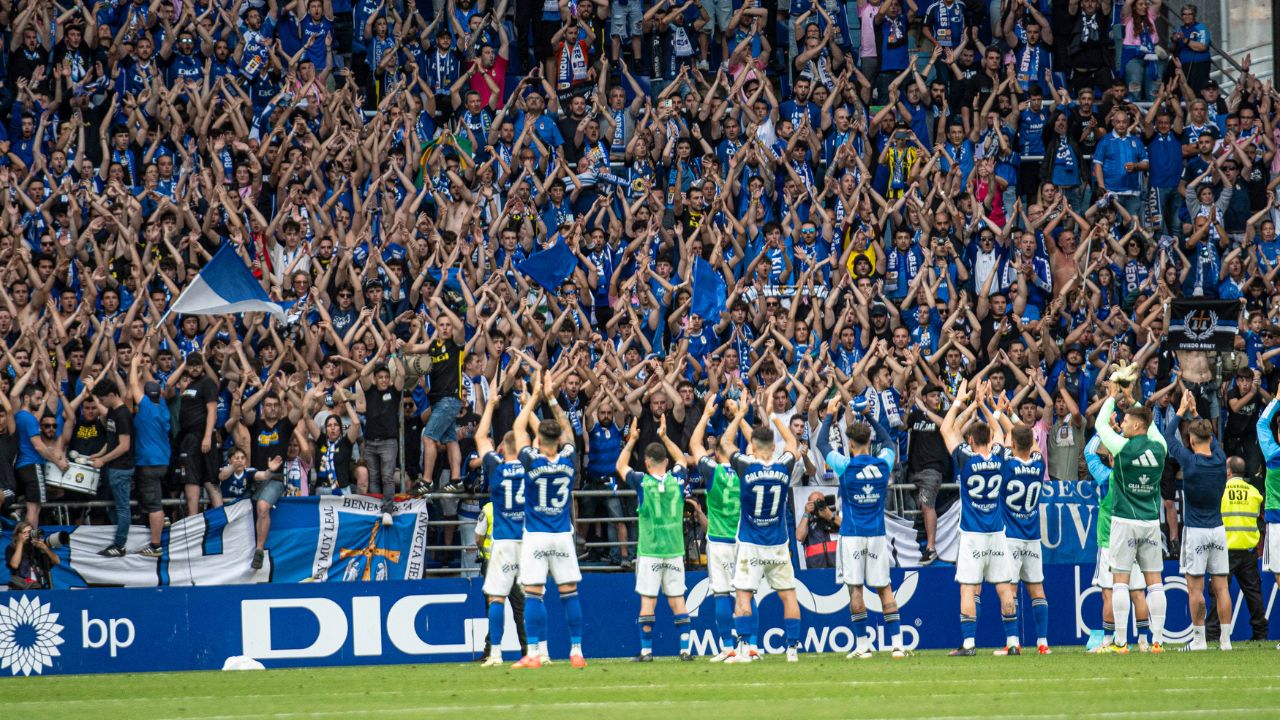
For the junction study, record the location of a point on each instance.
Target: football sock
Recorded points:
(1155, 601)
(969, 628)
(535, 619)
(792, 628)
(755, 623)
(1108, 632)
(724, 619)
(646, 633)
(893, 627)
(1120, 611)
(859, 629)
(573, 619)
(1040, 614)
(682, 627)
(1144, 629)
(1198, 636)
(743, 624)
(497, 621)
(1224, 639)
(1011, 629)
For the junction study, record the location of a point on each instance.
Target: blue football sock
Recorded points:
(859, 627)
(573, 616)
(755, 621)
(893, 628)
(792, 628)
(682, 627)
(724, 619)
(969, 628)
(645, 622)
(497, 621)
(1040, 614)
(1010, 626)
(535, 621)
(743, 624)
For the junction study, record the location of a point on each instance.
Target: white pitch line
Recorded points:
(647, 686)
(437, 709)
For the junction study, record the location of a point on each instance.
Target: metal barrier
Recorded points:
(901, 502)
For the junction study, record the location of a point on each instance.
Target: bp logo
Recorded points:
(1200, 324)
(29, 636)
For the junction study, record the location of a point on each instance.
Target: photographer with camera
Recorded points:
(819, 529)
(29, 559)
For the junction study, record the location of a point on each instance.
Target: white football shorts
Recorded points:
(543, 553)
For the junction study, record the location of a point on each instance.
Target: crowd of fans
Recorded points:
(896, 196)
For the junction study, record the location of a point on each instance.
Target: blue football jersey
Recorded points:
(979, 477)
(864, 484)
(763, 489)
(1022, 482)
(547, 483)
(506, 490)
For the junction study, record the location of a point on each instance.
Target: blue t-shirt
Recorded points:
(864, 483)
(506, 492)
(547, 483)
(151, 431)
(1020, 496)
(763, 489)
(606, 446)
(28, 426)
(980, 479)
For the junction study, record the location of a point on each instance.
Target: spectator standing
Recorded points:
(151, 424)
(1191, 43)
(197, 422)
(116, 460)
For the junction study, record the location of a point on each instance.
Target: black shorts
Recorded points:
(1169, 481)
(150, 481)
(195, 466)
(29, 483)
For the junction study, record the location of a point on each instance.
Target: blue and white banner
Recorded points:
(317, 539)
(1069, 522)
(317, 624)
(225, 285)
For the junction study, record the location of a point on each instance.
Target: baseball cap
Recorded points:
(152, 390)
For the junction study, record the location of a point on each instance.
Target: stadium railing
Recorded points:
(901, 502)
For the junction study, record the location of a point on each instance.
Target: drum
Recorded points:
(78, 478)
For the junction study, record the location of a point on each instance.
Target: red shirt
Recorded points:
(499, 74)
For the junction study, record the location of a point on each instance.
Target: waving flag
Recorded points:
(550, 267)
(708, 291)
(225, 285)
(1201, 324)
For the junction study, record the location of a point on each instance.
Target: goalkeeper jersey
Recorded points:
(1136, 470)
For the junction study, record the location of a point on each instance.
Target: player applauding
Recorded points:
(504, 476)
(660, 550)
(763, 551)
(979, 462)
(1139, 452)
(864, 552)
(723, 510)
(548, 538)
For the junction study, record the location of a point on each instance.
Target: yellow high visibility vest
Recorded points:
(487, 543)
(1240, 505)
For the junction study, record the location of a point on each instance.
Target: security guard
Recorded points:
(484, 543)
(1241, 505)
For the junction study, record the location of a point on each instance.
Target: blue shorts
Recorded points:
(442, 426)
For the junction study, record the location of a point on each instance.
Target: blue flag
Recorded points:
(551, 267)
(709, 292)
(225, 285)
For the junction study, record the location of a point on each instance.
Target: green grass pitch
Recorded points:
(1244, 683)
